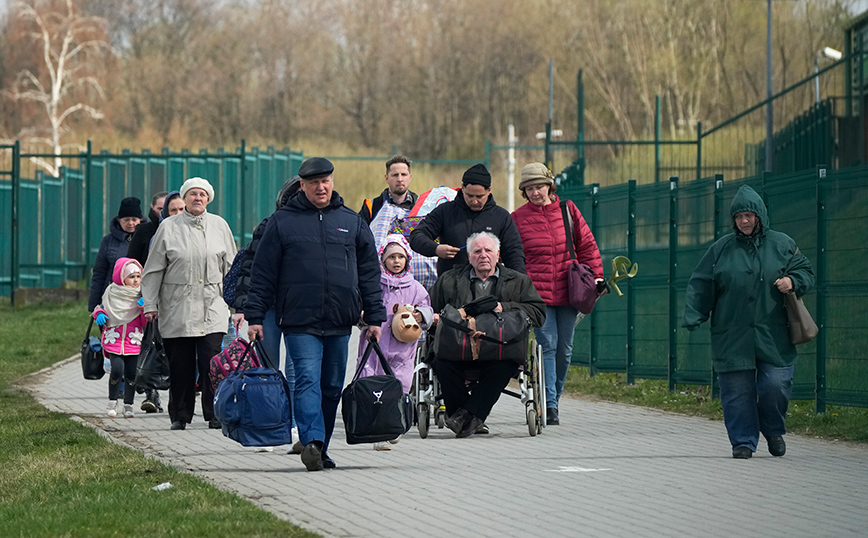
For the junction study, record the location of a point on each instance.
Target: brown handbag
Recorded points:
(802, 326)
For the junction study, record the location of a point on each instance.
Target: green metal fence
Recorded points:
(51, 227)
(817, 120)
(666, 228)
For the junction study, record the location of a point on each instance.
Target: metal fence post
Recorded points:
(673, 274)
(718, 233)
(861, 101)
(631, 298)
(16, 195)
(580, 129)
(592, 362)
(821, 291)
(87, 217)
(699, 150)
(241, 175)
(657, 127)
(548, 146)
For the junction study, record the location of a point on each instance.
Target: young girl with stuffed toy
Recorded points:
(123, 321)
(408, 310)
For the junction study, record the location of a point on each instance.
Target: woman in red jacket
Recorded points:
(541, 226)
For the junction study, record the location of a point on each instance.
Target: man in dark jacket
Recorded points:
(473, 210)
(740, 283)
(457, 287)
(398, 192)
(316, 264)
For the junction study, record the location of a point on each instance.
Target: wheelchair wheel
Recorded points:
(424, 419)
(441, 417)
(532, 420)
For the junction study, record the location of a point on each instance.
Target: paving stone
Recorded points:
(608, 470)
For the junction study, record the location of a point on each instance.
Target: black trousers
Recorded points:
(186, 355)
(123, 366)
(493, 378)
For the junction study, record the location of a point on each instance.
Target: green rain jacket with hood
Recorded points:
(734, 284)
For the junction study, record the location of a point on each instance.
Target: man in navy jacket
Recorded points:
(317, 266)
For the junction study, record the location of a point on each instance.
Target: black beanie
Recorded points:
(477, 175)
(130, 207)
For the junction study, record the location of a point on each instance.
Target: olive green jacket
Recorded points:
(734, 284)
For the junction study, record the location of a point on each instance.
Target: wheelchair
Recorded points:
(428, 399)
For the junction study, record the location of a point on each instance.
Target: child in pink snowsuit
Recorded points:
(399, 288)
(121, 317)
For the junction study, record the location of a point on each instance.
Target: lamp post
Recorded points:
(770, 113)
(826, 52)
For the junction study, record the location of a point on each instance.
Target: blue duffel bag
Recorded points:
(253, 404)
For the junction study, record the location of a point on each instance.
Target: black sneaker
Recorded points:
(214, 423)
(777, 446)
(742, 453)
(155, 397)
(178, 425)
(327, 462)
(552, 418)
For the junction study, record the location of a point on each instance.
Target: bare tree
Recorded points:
(70, 44)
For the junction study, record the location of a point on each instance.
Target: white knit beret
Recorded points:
(197, 183)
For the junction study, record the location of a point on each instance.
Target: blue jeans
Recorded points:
(754, 402)
(556, 339)
(320, 364)
(271, 342)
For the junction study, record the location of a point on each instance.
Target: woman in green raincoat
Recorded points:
(740, 282)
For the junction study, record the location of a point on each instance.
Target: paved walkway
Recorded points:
(609, 470)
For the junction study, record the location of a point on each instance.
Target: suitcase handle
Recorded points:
(264, 357)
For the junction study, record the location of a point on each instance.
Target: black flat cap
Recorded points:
(315, 167)
(477, 175)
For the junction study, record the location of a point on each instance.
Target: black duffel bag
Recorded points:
(152, 366)
(91, 355)
(505, 339)
(375, 408)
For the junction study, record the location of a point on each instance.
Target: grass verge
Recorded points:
(60, 478)
(838, 423)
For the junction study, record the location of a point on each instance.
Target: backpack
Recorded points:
(230, 281)
(229, 360)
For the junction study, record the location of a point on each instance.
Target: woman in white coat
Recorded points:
(182, 284)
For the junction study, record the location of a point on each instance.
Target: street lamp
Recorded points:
(825, 52)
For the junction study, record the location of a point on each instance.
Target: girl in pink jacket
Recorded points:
(120, 315)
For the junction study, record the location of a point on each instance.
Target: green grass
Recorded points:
(838, 423)
(60, 478)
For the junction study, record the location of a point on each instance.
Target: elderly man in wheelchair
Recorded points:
(486, 311)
